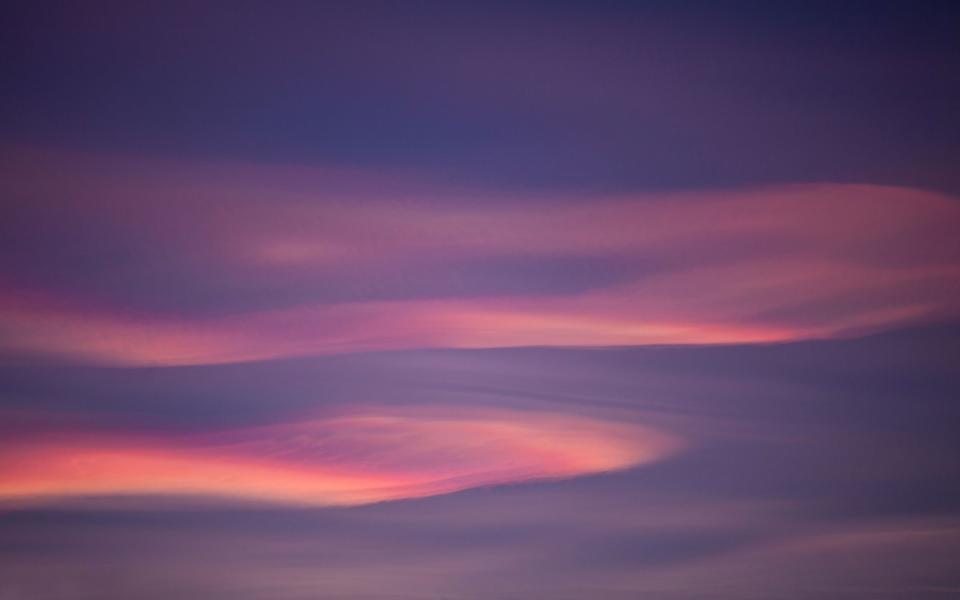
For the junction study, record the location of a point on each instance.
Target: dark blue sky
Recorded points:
(610, 95)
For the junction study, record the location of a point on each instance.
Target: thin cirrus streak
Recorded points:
(351, 458)
(299, 262)
(698, 312)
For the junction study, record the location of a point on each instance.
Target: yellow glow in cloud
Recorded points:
(356, 458)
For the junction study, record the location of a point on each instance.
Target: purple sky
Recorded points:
(456, 301)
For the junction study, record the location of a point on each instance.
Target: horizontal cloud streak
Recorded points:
(356, 457)
(226, 263)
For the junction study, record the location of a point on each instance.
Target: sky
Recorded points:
(479, 300)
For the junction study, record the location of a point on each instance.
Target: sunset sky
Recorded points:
(480, 300)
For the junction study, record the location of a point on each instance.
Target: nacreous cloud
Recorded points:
(130, 263)
(359, 457)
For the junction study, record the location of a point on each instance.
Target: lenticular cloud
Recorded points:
(350, 458)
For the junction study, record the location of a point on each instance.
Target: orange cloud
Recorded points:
(352, 458)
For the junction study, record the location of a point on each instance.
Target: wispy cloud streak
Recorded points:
(196, 264)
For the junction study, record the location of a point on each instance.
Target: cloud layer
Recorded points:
(355, 458)
(174, 263)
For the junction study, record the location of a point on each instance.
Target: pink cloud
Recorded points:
(738, 266)
(357, 457)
